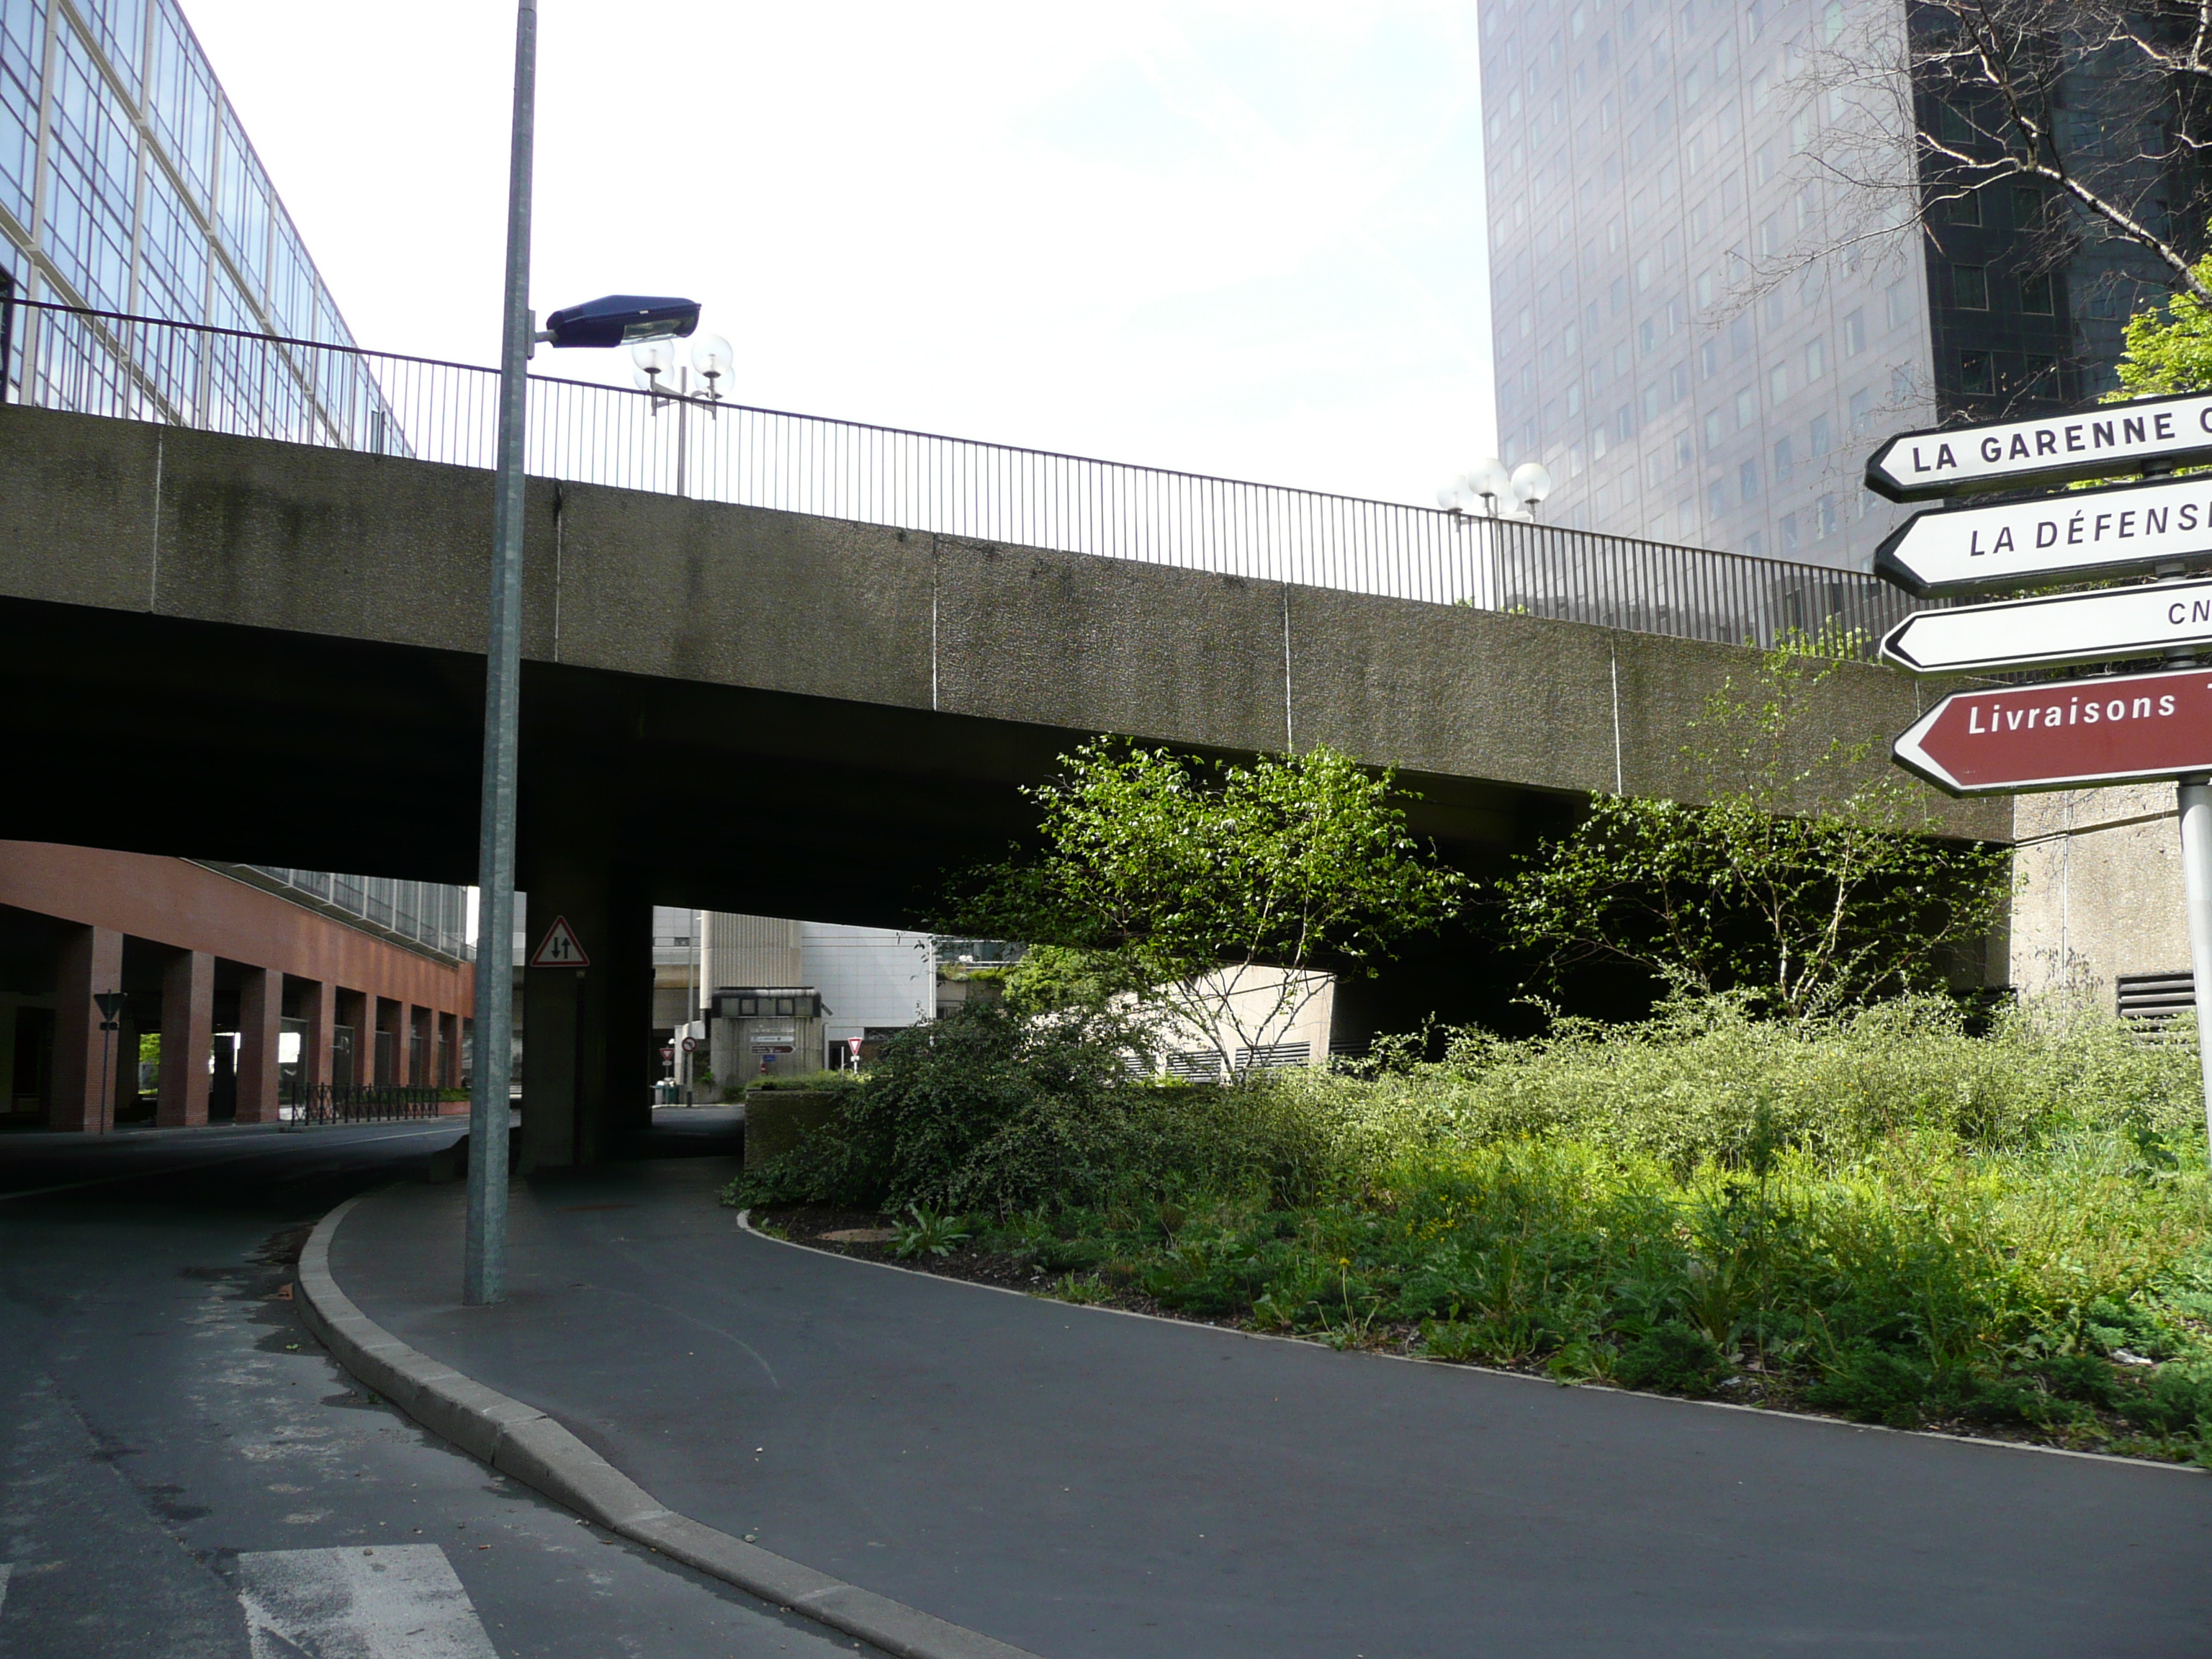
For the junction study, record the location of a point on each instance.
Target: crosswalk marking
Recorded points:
(389, 1601)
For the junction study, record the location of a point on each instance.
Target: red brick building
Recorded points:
(250, 983)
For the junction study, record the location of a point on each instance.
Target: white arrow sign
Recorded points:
(2114, 624)
(2100, 443)
(2128, 529)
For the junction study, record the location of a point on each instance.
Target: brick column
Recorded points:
(260, 1022)
(91, 962)
(412, 1020)
(367, 1066)
(187, 1039)
(449, 1051)
(318, 1004)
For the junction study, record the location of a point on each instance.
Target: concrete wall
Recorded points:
(2100, 890)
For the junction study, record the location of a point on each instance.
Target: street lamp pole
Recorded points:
(483, 1276)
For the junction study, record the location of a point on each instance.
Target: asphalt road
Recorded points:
(184, 1475)
(1090, 1486)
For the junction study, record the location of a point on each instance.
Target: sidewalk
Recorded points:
(1090, 1486)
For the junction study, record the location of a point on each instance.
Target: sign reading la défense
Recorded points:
(2069, 734)
(2119, 530)
(2113, 439)
(2058, 632)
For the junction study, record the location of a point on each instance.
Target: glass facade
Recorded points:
(431, 914)
(1646, 159)
(127, 185)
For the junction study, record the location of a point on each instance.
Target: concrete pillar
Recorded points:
(587, 1032)
(187, 1039)
(91, 962)
(260, 1022)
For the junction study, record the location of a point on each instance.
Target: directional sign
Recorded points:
(2101, 443)
(2125, 530)
(559, 948)
(2072, 628)
(2073, 734)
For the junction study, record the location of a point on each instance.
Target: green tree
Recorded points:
(1800, 880)
(2169, 347)
(1212, 895)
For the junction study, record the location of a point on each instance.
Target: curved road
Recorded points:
(184, 1475)
(1088, 1485)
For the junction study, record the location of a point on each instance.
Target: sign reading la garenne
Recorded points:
(2049, 449)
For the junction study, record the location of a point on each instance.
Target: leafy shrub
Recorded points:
(925, 1233)
(1672, 1357)
(987, 1111)
(1892, 1218)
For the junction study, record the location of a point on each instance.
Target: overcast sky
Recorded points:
(1235, 238)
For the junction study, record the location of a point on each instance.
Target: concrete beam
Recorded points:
(826, 615)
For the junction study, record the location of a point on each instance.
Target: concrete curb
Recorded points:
(524, 1443)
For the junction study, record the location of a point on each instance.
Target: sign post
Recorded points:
(2196, 808)
(2073, 733)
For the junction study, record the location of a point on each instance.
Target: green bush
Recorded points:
(1882, 1215)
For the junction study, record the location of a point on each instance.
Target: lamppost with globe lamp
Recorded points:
(1484, 490)
(712, 361)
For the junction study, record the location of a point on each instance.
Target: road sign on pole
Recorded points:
(2077, 733)
(2105, 443)
(559, 948)
(2111, 623)
(2126, 529)
(2072, 734)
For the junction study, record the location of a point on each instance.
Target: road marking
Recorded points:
(393, 1601)
(6, 1567)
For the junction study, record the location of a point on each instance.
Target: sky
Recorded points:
(1224, 236)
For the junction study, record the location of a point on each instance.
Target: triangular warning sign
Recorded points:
(559, 949)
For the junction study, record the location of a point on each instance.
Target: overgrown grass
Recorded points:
(1883, 1215)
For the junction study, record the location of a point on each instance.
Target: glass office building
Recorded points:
(128, 185)
(1642, 156)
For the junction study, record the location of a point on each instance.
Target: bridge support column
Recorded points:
(586, 1032)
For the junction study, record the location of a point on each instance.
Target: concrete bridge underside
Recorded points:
(231, 648)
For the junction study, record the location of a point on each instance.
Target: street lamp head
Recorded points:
(1490, 480)
(652, 357)
(1531, 482)
(617, 318)
(712, 360)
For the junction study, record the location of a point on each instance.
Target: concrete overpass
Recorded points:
(244, 649)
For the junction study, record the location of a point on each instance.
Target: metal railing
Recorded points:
(319, 1105)
(309, 392)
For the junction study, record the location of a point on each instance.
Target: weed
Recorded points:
(926, 1234)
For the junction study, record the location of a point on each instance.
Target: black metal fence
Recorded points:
(314, 392)
(311, 1105)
